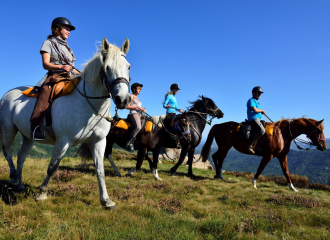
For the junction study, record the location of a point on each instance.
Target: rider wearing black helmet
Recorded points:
(57, 57)
(135, 108)
(254, 114)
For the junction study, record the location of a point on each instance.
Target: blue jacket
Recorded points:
(170, 99)
(250, 113)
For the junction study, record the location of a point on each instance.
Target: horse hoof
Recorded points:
(108, 204)
(13, 182)
(42, 197)
(118, 174)
(20, 188)
(158, 179)
(216, 176)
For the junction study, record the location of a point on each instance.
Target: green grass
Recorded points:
(175, 208)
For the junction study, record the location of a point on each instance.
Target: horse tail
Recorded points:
(84, 152)
(207, 146)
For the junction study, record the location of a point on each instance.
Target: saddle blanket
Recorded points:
(60, 89)
(125, 125)
(269, 129)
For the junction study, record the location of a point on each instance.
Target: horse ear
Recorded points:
(203, 97)
(125, 46)
(105, 45)
(319, 122)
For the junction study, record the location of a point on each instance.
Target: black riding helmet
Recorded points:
(62, 21)
(135, 85)
(257, 89)
(175, 86)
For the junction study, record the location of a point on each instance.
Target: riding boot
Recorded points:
(252, 142)
(36, 133)
(130, 146)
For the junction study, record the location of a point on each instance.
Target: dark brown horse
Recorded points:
(276, 145)
(145, 141)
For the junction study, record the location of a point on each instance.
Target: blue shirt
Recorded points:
(170, 99)
(250, 113)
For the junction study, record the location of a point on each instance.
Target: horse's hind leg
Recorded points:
(26, 146)
(284, 165)
(218, 159)
(59, 150)
(151, 164)
(264, 161)
(113, 165)
(7, 138)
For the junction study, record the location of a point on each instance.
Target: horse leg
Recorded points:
(149, 161)
(218, 159)
(184, 151)
(113, 165)
(98, 149)
(140, 157)
(26, 146)
(190, 162)
(284, 165)
(155, 158)
(59, 150)
(7, 139)
(264, 161)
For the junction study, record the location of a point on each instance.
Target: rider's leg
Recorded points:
(39, 110)
(136, 119)
(253, 140)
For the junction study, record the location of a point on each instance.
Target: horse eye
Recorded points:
(129, 68)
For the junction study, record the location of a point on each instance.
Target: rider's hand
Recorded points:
(144, 110)
(263, 112)
(180, 111)
(67, 68)
(168, 106)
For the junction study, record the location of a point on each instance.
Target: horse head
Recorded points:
(115, 72)
(211, 108)
(181, 127)
(316, 135)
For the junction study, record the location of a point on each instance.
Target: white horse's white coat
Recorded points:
(74, 121)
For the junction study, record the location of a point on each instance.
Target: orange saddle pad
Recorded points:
(60, 89)
(125, 125)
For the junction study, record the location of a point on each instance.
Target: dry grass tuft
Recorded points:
(4, 170)
(66, 175)
(319, 186)
(170, 205)
(294, 200)
(73, 190)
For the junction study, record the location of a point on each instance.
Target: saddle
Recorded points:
(245, 129)
(63, 85)
(127, 123)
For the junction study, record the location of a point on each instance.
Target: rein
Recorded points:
(311, 144)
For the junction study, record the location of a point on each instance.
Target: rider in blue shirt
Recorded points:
(254, 114)
(171, 104)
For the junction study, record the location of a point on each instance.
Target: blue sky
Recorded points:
(219, 49)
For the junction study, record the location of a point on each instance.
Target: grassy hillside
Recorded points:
(175, 208)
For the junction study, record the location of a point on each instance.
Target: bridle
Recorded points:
(109, 87)
(176, 126)
(309, 135)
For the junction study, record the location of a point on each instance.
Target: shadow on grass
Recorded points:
(89, 169)
(11, 196)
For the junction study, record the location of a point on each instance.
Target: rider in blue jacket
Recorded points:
(171, 104)
(254, 114)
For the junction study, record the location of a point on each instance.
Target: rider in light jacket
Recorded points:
(171, 104)
(254, 114)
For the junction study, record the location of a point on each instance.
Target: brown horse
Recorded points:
(145, 141)
(276, 145)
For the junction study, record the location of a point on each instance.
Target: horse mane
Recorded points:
(304, 121)
(198, 102)
(94, 65)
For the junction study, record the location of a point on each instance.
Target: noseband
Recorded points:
(110, 85)
(318, 139)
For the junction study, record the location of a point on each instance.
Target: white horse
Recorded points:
(74, 119)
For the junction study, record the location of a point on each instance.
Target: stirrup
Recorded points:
(37, 132)
(129, 146)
